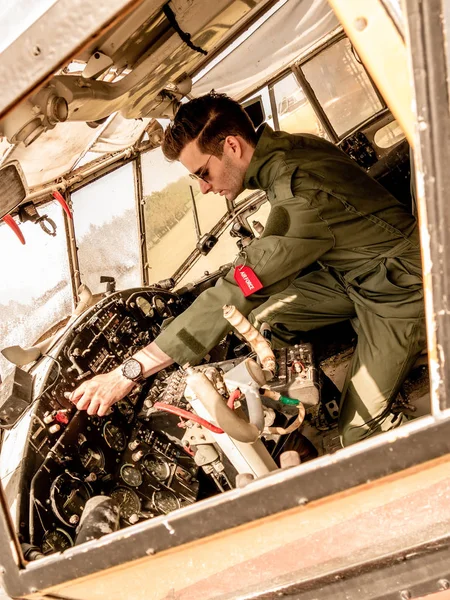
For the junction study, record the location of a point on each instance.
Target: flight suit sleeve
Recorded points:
(276, 260)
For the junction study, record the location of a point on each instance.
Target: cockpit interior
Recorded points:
(109, 242)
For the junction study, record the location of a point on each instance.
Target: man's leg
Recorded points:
(312, 301)
(386, 350)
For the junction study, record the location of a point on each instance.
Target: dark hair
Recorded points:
(208, 119)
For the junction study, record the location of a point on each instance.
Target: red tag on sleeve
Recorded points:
(247, 280)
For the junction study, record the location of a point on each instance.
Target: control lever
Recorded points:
(110, 283)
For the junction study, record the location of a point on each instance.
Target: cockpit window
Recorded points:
(342, 86)
(169, 215)
(36, 291)
(295, 112)
(106, 229)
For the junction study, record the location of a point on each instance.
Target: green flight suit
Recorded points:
(325, 208)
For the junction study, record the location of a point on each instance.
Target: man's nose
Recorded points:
(205, 187)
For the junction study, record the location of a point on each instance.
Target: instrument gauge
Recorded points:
(56, 540)
(165, 501)
(92, 458)
(161, 307)
(156, 467)
(128, 501)
(126, 410)
(131, 475)
(145, 307)
(68, 497)
(114, 437)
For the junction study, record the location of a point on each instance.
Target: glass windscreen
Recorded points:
(226, 249)
(342, 86)
(264, 96)
(295, 113)
(106, 229)
(36, 292)
(169, 214)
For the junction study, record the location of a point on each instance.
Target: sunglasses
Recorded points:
(201, 174)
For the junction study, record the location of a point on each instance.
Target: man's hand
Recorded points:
(98, 394)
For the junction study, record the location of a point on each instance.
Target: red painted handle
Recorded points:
(59, 198)
(10, 221)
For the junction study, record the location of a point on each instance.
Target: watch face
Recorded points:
(132, 369)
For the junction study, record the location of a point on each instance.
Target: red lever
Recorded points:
(10, 221)
(59, 198)
(61, 417)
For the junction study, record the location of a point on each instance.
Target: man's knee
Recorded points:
(253, 320)
(349, 434)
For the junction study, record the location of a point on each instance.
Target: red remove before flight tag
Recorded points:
(247, 280)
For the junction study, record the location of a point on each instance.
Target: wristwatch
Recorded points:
(132, 370)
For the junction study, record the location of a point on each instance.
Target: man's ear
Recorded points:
(233, 146)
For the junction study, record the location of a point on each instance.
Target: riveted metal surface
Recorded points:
(51, 41)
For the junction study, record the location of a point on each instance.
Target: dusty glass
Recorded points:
(295, 112)
(169, 214)
(36, 281)
(106, 229)
(342, 86)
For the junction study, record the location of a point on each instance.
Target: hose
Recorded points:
(233, 397)
(185, 414)
(253, 337)
(289, 401)
(254, 407)
(293, 426)
(235, 426)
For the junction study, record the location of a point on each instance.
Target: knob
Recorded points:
(290, 458)
(48, 418)
(136, 456)
(243, 479)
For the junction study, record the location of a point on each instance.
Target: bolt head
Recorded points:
(360, 23)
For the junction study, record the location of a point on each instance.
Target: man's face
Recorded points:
(224, 175)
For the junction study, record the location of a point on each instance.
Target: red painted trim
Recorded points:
(59, 198)
(10, 221)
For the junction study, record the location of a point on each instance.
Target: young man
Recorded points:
(325, 208)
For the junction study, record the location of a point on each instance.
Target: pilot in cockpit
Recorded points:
(336, 246)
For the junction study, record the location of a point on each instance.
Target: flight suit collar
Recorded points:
(264, 165)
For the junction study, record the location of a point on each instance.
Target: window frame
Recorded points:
(309, 92)
(420, 570)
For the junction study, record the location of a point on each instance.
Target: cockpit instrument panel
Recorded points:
(129, 455)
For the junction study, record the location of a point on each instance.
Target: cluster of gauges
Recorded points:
(158, 305)
(162, 500)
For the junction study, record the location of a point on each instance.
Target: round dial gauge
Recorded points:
(114, 436)
(56, 540)
(156, 467)
(92, 459)
(131, 475)
(165, 501)
(145, 306)
(68, 496)
(128, 501)
(161, 307)
(126, 409)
